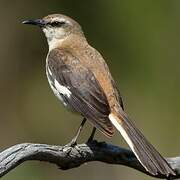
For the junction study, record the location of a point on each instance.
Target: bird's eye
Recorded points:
(57, 23)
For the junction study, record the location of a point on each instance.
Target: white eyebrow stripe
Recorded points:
(58, 19)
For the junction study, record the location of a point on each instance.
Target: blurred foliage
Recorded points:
(140, 41)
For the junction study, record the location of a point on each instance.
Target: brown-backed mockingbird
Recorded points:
(81, 80)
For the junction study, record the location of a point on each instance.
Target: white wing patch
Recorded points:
(62, 89)
(49, 71)
(58, 89)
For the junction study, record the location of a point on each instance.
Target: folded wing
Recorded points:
(86, 95)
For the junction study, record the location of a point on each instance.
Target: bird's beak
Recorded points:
(37, 22)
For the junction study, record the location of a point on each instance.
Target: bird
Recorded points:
(80, 78)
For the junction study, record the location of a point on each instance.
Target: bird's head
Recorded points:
(57, 27)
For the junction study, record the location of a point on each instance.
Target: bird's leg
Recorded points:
(92, 135)
(74, 140)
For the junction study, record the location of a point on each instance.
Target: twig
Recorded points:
(66, 157)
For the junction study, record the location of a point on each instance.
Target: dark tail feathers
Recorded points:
(147, 155)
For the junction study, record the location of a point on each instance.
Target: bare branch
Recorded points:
(66, 157)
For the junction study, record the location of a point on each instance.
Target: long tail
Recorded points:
(147, 155)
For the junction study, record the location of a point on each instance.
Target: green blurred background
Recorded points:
(140, 42)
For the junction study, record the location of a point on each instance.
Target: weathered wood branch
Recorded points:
(66, 157)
